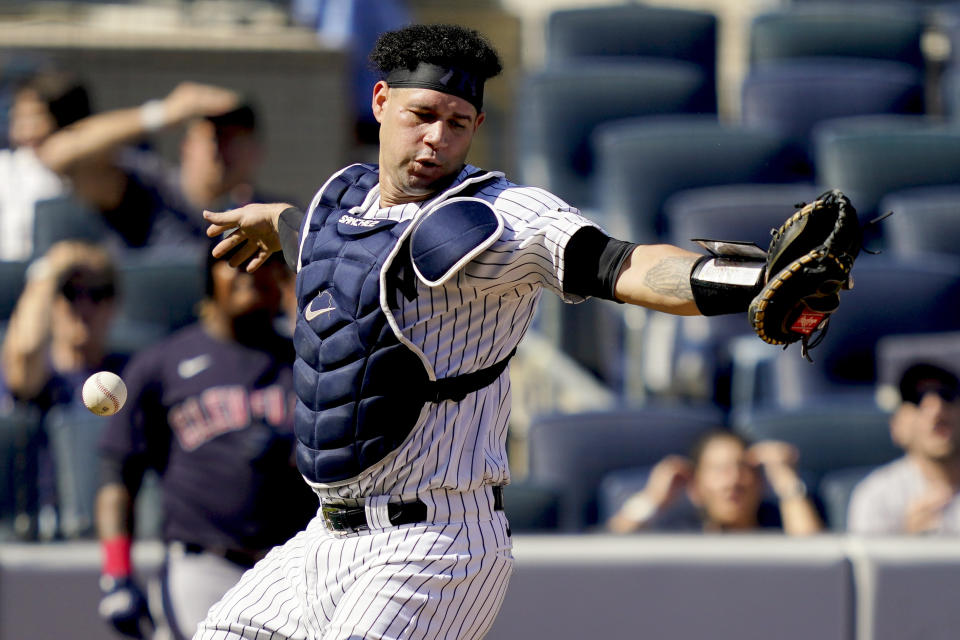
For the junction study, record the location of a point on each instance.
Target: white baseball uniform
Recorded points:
(445, 577)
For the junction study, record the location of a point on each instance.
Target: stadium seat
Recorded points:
(868, 157)
(12, 274)
(643, 161)
(926, 220)
(570, 453)
(634, 30)
(835, 490)
(530, 508)
(159, 292)
(74, 435)
(867, 30)
(790, 96)
(20, 437)
(558, 109)
(890, 296)
(62, 219)
(828, 437)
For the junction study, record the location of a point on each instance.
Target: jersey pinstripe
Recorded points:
(472, 321)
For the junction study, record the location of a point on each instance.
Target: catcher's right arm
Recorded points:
(791, 290)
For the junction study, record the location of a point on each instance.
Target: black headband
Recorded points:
(456, 82)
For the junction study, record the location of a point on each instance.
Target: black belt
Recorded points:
(238, 557)
(353, 519)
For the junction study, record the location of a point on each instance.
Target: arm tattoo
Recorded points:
(671, 277)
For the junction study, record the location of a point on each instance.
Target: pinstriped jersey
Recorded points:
(470, 322)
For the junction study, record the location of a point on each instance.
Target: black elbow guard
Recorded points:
(724, 285)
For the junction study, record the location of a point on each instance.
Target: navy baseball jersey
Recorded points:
(215, 419)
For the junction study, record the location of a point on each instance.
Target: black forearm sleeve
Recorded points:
(725, 285)
(592, 262)
(289, 230)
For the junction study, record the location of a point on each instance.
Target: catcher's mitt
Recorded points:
(808, 263)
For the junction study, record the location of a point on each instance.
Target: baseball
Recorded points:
(104, 393)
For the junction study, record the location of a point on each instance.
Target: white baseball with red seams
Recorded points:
(104, 393)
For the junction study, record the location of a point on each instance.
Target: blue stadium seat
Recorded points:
(158, 293)
(926, 220)
(570, 453)
(634, 30)
(74, 435)
(890, 296)
(12, 274)
(790, 96)
(559, 108)
(828, 437)
(835, 489)
(643, 161)
(64, 219)
(531, 508)
(870, 156)
(874, 30)
(20, 443)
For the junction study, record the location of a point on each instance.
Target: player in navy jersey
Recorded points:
(416, 279)
(211, 410)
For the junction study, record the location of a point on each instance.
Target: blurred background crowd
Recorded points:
(663, 121)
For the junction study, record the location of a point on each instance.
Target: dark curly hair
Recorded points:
(445, 45)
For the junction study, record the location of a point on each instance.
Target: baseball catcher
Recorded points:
(794, 287)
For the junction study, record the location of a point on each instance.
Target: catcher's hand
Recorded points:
(808, 263)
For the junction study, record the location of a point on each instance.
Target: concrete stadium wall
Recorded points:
(576, 587)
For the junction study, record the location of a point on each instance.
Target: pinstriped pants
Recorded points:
(441, 580)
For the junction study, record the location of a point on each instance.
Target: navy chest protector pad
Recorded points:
(448, 237)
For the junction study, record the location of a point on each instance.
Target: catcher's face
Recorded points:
(726, 486)
(424, 139)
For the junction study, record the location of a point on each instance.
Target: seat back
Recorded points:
(792, 95)
(571, 452)
(633, 30)
(828, 437)
(559, 108)
(869, 157)
(926, 220)
(64, 218)
(838, 29)
(645, 160)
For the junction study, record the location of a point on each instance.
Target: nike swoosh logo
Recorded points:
(192, 366)
(310, 312)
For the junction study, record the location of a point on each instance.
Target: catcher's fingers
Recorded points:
(244, 253)
(221, 221)
(227, 245)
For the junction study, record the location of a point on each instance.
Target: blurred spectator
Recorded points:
(143, 199)
(57, 337)
(920, 492)
(42, 104)
(211, 410)
(355, 26)
(724, 481)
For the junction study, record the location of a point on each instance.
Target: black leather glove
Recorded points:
(124, 606)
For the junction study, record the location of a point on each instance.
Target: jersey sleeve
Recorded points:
(537, 228)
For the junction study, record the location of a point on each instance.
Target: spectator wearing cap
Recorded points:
(918, 493)
(143, 199)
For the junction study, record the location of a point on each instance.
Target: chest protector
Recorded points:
(361, 387)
